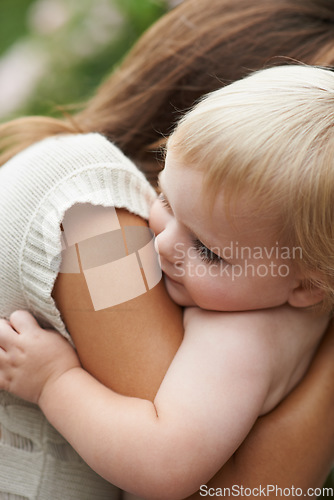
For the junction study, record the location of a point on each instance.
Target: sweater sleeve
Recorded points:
(37, 187)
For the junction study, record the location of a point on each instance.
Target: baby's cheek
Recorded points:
(155, 218)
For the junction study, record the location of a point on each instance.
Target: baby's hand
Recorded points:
(31, 356)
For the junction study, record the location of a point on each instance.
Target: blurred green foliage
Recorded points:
(139, 14)
(73, 75)
(12, 21)
(82, 52)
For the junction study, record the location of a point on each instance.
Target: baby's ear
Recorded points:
(306, 293)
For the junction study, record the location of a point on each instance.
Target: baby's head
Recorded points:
(267, 143)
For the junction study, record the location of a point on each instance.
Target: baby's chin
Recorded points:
(178, 293)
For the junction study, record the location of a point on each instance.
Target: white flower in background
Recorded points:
(20, 70)
(48, 16)
(98, 23)
(80, 28)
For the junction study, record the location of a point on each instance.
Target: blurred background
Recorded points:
(55, 52)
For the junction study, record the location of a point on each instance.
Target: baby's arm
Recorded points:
(203, 410)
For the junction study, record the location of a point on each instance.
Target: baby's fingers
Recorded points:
(23, 321)
(7, 335)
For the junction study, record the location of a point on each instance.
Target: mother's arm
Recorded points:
(129, 347)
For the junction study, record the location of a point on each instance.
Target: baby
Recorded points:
(244, 228)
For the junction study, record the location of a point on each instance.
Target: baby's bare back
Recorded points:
(285, 337)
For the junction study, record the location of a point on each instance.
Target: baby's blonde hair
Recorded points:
(271, 136)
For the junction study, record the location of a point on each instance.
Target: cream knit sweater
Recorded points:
(36, 188)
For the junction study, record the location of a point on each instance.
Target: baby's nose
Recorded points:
(164, 245)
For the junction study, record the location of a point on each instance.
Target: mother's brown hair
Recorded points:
(194, 49)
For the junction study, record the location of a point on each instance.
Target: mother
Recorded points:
(191, 51)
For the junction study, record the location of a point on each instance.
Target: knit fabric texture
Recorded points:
(37, 187)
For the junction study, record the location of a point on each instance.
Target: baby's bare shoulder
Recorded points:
(254, 321)
(243, 335)
(257, 333)
(259, 321)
